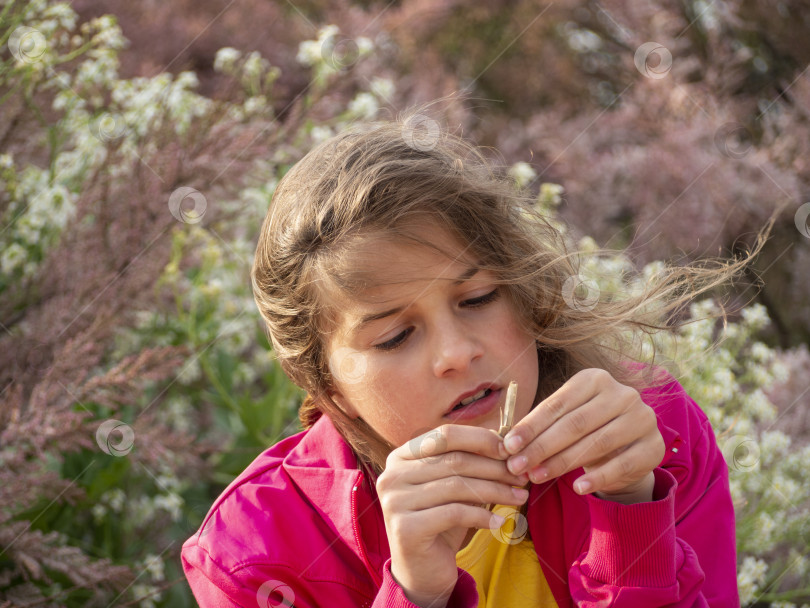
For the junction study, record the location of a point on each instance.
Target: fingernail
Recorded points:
(502, 451)
(520, 493)
(582, 486)
(539, 474)
(517, 464)
(496, 521)
(513, 443)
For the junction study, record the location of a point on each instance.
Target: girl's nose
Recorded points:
(455, 348)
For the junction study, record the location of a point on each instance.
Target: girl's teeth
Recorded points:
(475, 397)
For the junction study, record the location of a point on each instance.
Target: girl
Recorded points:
(404, 286)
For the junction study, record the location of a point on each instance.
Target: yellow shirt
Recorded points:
(504, 565)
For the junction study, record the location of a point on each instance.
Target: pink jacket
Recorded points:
(301, 524)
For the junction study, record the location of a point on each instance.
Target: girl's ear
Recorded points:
(343, 403)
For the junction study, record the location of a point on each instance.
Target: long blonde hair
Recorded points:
(381, 177)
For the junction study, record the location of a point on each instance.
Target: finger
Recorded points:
(457, 463)
(592, 450)
(451, 438)
(566, 432)
(429, 523)
(578, 389)
(468, 490)
(628, 467)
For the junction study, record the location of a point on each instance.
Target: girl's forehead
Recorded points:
(380, 266)
(382, 273)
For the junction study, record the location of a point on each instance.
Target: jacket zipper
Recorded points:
(363, 555)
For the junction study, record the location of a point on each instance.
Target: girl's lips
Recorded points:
(476, 409)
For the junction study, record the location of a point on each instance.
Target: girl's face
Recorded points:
(432, 332)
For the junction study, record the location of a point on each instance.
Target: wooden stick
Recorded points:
(508, 415)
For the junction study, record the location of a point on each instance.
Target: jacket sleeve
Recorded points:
(391, 594)
(277, 585)
(678, 550)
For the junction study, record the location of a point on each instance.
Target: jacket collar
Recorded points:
(326, 470)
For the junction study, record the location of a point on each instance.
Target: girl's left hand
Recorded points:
(596, 423)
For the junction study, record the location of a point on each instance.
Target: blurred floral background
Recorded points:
(140, 144)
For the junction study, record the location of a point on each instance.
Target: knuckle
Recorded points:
(445, 432)
(577, 422)
(386, 501)
(538, 453)
(603, 442)
(562, 463)
(626, 467)
(597, 374)
(453, 460)
(631, 395)
(452, 484)
(456, 511)
(555, 409)
(652, 419)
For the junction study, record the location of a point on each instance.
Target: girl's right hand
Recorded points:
(433, 490)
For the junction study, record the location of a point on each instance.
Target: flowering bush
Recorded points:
(137, 381)
(730, 374)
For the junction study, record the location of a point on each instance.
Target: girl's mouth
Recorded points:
(476, 397)
(476, 406)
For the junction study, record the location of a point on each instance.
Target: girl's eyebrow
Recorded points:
(366, 319)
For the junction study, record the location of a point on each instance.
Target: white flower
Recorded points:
(550, 194)
(364, 105)
(98, 511)
(115, 498)
(757, 405)
(190, 372)
(382, 88)
(522, 173)
(320, 133)
(187, 80)
(764, 528)
(6, 161)
(309, 52)
(254, 66)
(226, 59)
(756, 316)
(584, 40)
(774, 443)
(171, 503)
(750, 576)
(761, 352)
(364, 45)
(254, 105)
(154, 565)
(13, 257)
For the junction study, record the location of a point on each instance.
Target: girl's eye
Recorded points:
(485, 299)
(394, 342)
(399, 339)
